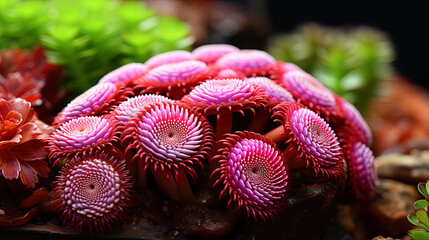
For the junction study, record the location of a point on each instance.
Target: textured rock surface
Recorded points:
(412, 168)
(384, 214)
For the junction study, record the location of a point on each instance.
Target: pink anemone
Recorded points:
(250, 62)
(310, 139)
(82, 135)
(212, 52)
(124, 74)
(168, 57)
(354, 120)
(275, 92)
(253, 172)
(170, 139)
(310, 92)
(94, 192)
(173, 79)
(97, 100)
(222, 97)
(129, 109)
(361, 168)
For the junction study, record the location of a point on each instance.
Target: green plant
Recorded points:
(90, 38)
(420, 219)
(351, 62)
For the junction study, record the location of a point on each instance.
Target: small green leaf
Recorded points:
(419, 234)
(413, 219)
(422, 216)
(423, 189)
(421, 204)
(427, 189)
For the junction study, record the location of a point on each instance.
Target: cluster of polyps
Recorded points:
(176, 116)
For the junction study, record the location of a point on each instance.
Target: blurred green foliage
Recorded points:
(90, 37)
(352, 62)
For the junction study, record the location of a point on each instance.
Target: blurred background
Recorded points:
(251, 23)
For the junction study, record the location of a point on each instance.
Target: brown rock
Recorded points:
(387, 210)
(411, 168)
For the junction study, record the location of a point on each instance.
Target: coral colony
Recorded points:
(236, 122)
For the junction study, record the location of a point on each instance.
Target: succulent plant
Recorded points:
(420, 218)
(237, 123)
(30, 76)
(350, 61)
(90, 38)
(21, 146)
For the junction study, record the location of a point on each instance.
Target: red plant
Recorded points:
(30, 76)
(21, 147)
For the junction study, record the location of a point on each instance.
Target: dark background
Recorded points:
(405, 22)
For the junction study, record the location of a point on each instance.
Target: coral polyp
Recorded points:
(168, 57)
(251, 62)
(311, 139)
(174, 79)
(95, 101)
(254, 174)
(129, 109)
(171, 140)
(212, 52)
(363, 175)
(169, 136)
(219, 95)
(124, 73)
(94, 192)
(353, 119)
(275, 92)
(309, 91)
(80, 135)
